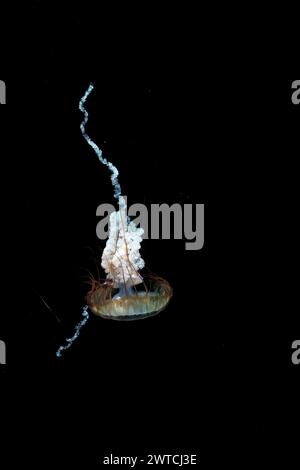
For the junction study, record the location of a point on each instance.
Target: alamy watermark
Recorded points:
(2, 92)
(161, 222)
(296, 353)
(2, 352)
(296, 93)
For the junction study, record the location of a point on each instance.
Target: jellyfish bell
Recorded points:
(127, 302)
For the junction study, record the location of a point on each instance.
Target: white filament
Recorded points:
(121, 259)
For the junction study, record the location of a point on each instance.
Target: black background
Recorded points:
(185, 123)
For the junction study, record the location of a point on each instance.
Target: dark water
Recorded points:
(180, 131)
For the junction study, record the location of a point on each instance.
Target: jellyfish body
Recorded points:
(126, 294)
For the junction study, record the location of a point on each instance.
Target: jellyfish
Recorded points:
(125, 294)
